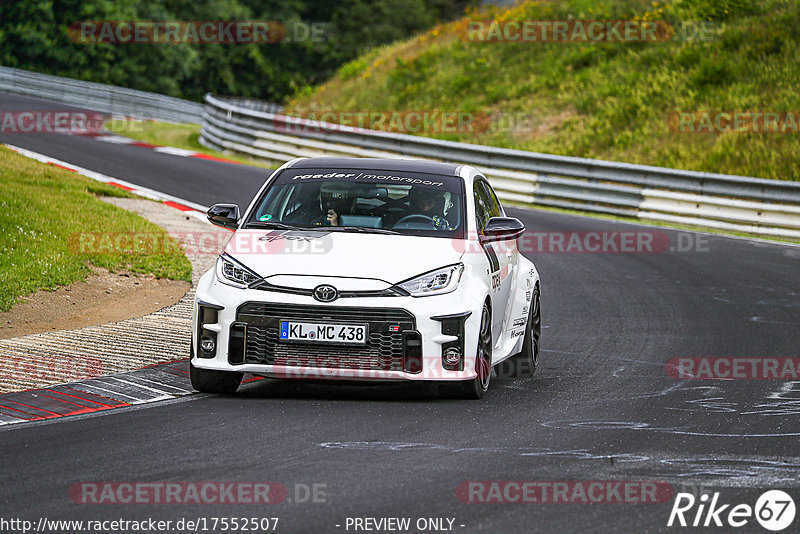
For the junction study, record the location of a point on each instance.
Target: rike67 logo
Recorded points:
(774, 510)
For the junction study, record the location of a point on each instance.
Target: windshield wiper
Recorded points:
(363, 229)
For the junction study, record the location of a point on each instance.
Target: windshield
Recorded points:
(362, 200)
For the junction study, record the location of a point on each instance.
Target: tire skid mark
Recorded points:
(720, 469)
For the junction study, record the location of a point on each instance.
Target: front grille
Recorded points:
(385, 350)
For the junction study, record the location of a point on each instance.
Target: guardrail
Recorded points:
(100, 97)
(732, 203)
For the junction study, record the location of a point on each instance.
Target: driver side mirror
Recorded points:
(224, 215)
(502, 229)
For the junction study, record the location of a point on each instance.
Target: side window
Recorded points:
(486, 204)
(482, 205)
(497, 209)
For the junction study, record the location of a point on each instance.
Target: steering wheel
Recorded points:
(424, 218)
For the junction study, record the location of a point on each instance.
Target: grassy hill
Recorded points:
(608, 100)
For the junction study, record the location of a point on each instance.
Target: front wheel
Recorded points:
(476, 387)
(523, 365)
(209, 381)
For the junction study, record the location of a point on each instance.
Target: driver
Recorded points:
(425, 202)
(332, 203)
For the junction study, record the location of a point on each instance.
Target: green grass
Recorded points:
(598, 100)
(44, 211)
(184, 136)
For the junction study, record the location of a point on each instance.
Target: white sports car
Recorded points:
(368, 269)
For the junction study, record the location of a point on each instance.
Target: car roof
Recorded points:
(377, 164)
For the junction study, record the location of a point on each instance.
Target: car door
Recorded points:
(486, 207)
(508, 272)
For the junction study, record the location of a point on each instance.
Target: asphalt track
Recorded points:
(601, 407)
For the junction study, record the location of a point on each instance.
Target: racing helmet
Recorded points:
(431, 199)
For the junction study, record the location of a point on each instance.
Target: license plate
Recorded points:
(347, 334)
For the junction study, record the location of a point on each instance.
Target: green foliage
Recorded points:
(608, 100)
(352, 69)
(34, 35)
(716, 10)
(711, 71)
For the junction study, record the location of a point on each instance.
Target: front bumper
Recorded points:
(407, 336)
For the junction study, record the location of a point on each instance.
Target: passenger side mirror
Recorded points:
(224, 215)
(502, 229)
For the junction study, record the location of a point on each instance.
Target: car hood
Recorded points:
(355, 260)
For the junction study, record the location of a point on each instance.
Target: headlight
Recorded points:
(436, 282)
(234, 273)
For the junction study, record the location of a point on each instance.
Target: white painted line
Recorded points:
(174, 151)
(110, 394)
(162, 394)
(116, 139)
(171, 150)
(164, 384)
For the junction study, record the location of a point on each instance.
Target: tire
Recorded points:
(477, 387)
(208, 381)
(523, 365)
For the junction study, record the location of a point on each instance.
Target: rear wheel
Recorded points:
(523, 365)
(476, 387)
(209, 381)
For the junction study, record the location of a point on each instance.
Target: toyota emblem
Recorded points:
(325, 293)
